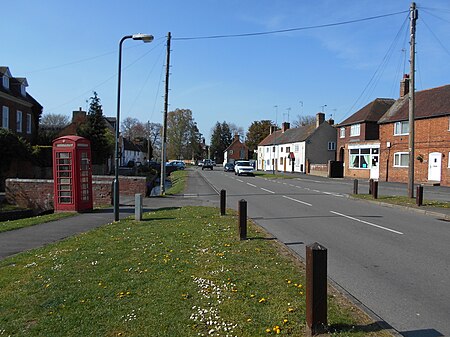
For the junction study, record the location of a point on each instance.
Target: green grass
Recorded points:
(180, 272)
(178, 180)
(267, 175)
(403, 201)
(21, 223)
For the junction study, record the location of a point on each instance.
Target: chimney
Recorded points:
(285, 126)
(404, 85)
(236, 137)
(320, 118)
(331, 121)
(272, 129)
(78, 115)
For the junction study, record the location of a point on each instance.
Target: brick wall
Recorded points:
(431, 135)
(319, 170)
(37, 194)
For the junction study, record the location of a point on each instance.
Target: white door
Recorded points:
(434, 166)
(375, 168)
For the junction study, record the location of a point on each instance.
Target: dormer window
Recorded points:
(5, 79)
(23, 90)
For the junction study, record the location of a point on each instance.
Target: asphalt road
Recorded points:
(395, 262)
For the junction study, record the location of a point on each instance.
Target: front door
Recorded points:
(434, 166)
(375, 165)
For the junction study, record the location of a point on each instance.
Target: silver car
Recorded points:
(243, 167)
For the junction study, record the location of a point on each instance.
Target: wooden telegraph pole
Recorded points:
(162, 190)
(413, 17)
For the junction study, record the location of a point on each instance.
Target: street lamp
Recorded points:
(145, 38)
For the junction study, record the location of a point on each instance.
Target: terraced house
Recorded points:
(20, 112)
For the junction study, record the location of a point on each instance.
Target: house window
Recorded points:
(355, 130)
(23, 90)
(331, 146)
(29, 123)
(231, 152)
(267, 150)
(19, 121)
(5, 117)
(401, 159)
(296, 148)
(401, 128)
(342, 132)
(359, 158)
(273, 149)
(281, 160)
(281, 150)
(449, 160)
(5, 81)
(288, 149)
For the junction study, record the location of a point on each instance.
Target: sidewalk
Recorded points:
(16, 241)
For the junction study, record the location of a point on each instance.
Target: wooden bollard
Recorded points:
(138, 209)
(242, 207)
(316, 289)
(223, 198)
(419, 195)
(370, 186)
(375, 189)
(355, 186)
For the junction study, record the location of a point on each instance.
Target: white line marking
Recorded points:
(251, 185)
(268, 190)
(367, 223)
(239, 180)
(299, 201)
(316, 191)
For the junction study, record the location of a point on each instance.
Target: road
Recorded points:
(395, 262)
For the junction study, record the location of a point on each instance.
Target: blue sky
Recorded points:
(68, 49)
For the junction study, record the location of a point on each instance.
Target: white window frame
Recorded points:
(398, 159)
(448, 160)
(355, 130)
(331, 146)
(19, 120)
(399, 128)
(5, 117)
(5, 81)
(342, 132)
(28, 123)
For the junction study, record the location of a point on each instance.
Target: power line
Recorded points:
(287, 30)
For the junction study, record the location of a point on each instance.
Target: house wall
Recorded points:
(317, 145)
(236, 151)
(431, 135)
(14, 105)
(37, 194)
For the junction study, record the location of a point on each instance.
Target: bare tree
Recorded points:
(303, 120)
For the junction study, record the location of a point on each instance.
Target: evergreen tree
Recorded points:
(256, 133)
(221, 138)
(96, 131)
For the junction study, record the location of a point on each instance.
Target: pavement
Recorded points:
(198, 192)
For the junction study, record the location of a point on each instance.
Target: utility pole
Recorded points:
(413, 17)
(162, 190)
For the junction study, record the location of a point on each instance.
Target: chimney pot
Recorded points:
(320, 118)
(404, 85)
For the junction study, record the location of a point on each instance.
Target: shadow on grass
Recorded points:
(373, 327)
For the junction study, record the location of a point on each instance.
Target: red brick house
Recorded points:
(237, 150)
(358, 141)
(20, 112)
(432, 138)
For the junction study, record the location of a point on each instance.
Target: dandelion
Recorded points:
(268, 330)
(262, 300)
(285, 321)
(249, 319)
(290, 309)
(289, 281)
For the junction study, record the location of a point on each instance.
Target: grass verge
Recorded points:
(180, 272)
(178, 180)
(21, 223)
(273, 176)
(403, 201)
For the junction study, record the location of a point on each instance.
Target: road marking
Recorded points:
(299, 201)
(251, 185)
(239, 180)
(316, 191)
(367, 223)
(268, 190)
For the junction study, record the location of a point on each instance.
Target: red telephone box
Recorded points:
(72, 174)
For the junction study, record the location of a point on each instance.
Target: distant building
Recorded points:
(20, 112)
(294, 150)
(237, 150)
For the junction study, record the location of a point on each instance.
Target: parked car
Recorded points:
(229, 167)
(207, 163)
(180, 165)
(243, 167)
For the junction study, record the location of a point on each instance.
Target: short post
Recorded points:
(223, 199)
(375, 189)
(138, 207)
(355, 186)
(242, 219)
(370, 186)
(316, 289)
(419, 195)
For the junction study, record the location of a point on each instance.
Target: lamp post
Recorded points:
(145, 38)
